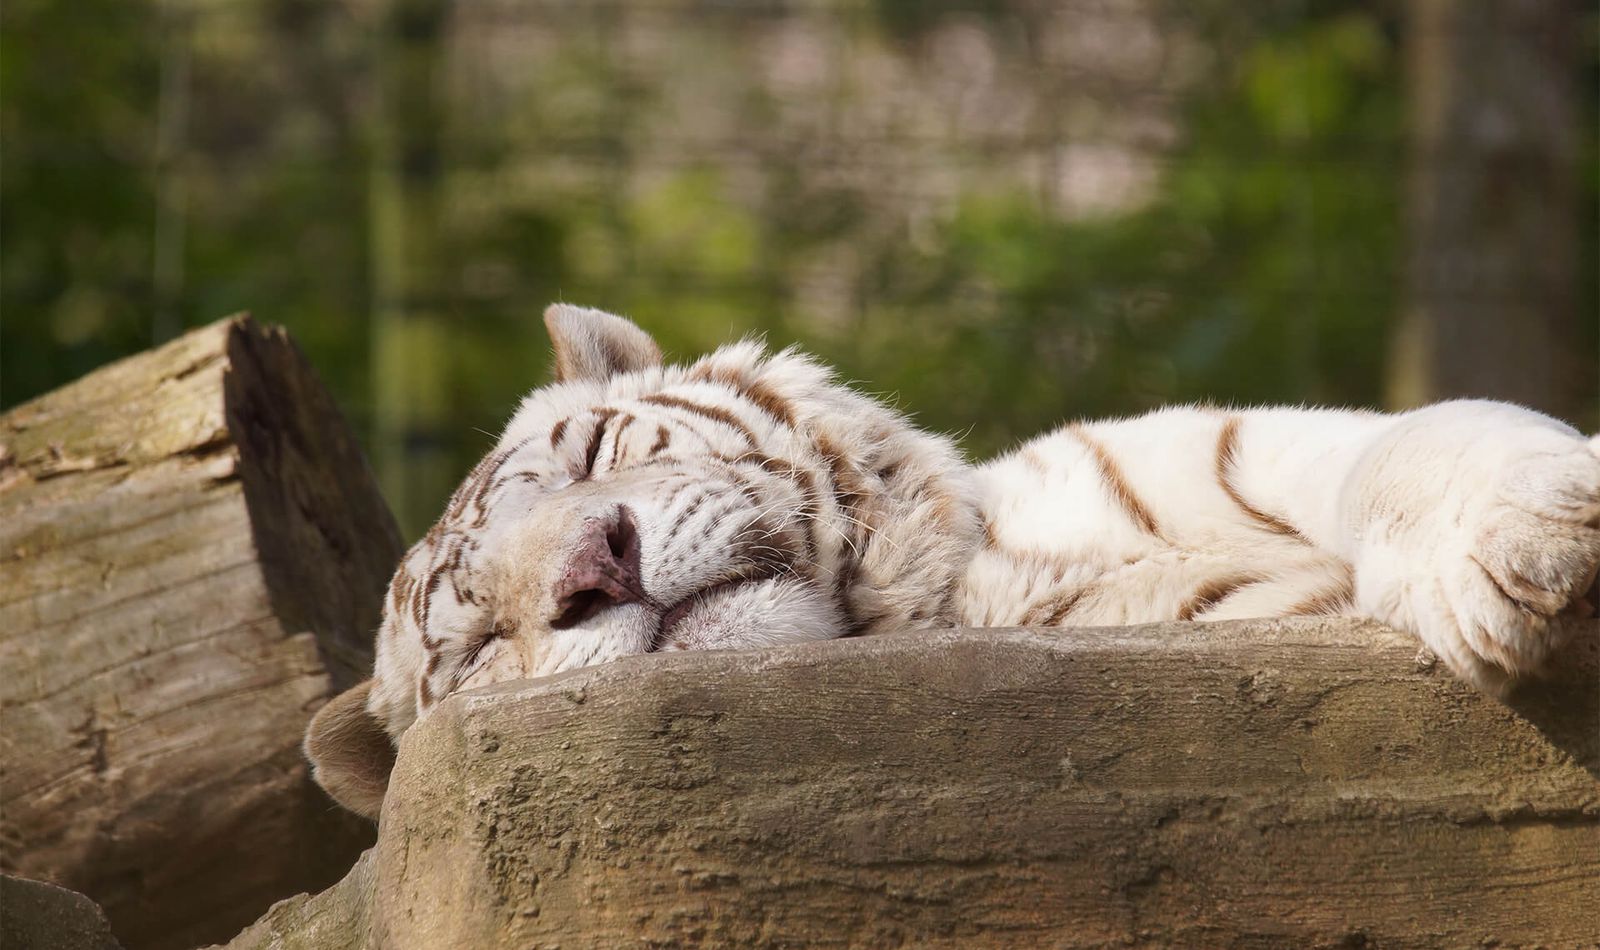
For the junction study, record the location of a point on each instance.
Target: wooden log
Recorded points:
(193, 554)
(1244, 784)
(39, 916)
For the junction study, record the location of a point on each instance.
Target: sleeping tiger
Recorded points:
(749, 499)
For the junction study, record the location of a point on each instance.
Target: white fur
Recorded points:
(1418, 510)
(1472, 524)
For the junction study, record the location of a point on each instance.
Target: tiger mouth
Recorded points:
(674, 616)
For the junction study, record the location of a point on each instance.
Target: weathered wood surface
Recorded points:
(39, 916)
(192, 560)
(1252, 784)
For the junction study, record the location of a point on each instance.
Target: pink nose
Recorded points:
(603, 570)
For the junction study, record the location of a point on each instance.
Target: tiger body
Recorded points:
(748, 499)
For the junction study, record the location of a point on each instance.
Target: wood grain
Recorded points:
(192, 560)
(1255, 784)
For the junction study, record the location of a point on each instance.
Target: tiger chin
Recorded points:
(748, 499)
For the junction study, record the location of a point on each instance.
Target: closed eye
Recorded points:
(475, 656)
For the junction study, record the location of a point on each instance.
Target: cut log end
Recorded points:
(194, 556)
(326, 541)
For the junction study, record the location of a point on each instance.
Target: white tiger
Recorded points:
(749, 499)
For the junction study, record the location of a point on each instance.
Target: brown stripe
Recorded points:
(663, 438)
(748, 490)
(428, 590)
(1332, 601)
(416, 602)
(848, 495)
(765, 398)
(456, 557)
(424, 693)
(416, 608)
(1213, 592)
(468, 488)
(556, 433)
(862, 625)
(844, 581)
(714, 413)
(802, 478)
(591, 454)
(400, 587)
(1051, 612)
(480, 497)
(770, 551)
(811, 510)
(847, 488)
(772, 466)
(782, 468)
(616, 439)
(1227, 455)
(458, 498)
(1116, 483)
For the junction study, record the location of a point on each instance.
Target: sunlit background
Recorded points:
(1006, 213)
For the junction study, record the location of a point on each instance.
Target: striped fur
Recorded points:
(774, 505)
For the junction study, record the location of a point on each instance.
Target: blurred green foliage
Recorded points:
(1264, 266)
(1250, 278)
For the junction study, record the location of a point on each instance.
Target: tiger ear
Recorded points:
(595, 345)
(350, 751)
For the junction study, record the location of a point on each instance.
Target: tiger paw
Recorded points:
(1482, 531)
(1523, 555)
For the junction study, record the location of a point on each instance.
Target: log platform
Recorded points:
(1312, 783)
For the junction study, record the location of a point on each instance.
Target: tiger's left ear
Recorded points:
(595, 345)
(350, 751)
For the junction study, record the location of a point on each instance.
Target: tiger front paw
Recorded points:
(1491, 571)
(1516, 570)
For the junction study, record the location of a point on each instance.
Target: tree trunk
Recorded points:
(1493, 277)
(193, 555)
(411, 375)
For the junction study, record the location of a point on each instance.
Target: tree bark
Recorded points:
(1493, 279)
(193, 554)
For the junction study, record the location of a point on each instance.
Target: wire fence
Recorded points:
(1007, 212)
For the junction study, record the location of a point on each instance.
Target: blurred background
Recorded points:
(1007, 213)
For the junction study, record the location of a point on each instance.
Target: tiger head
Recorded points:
(746, 499)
